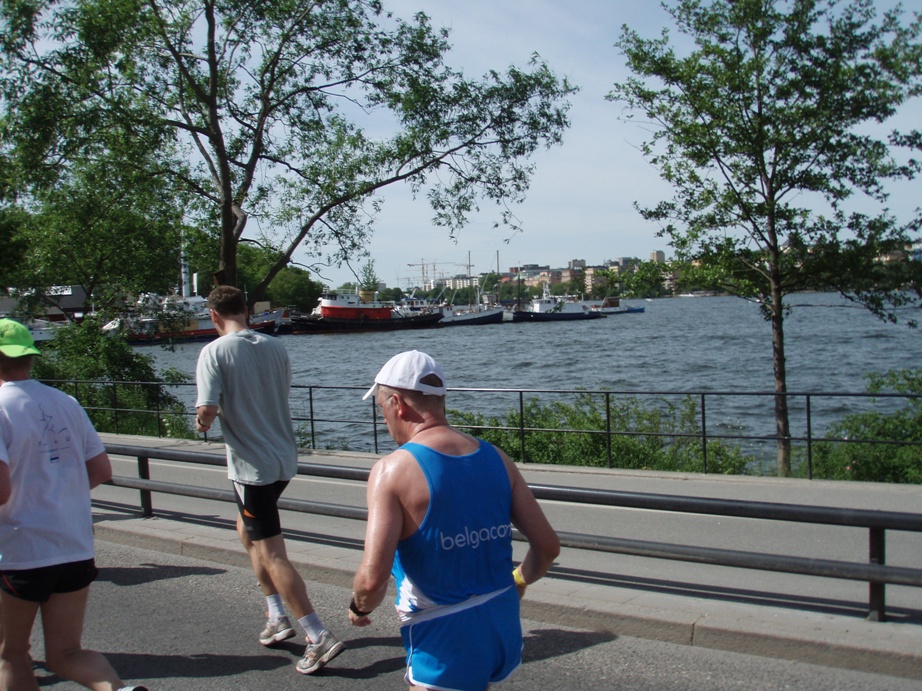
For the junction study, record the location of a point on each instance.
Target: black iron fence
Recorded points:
(876, 573)
(705, 424)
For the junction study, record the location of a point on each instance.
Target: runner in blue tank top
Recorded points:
(441, 509)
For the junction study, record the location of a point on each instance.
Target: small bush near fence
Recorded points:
(877, 462)
(644, 436)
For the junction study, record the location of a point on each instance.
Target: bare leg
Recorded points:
(62, 620)
(16, 619)
(263, 576)
(273, 558)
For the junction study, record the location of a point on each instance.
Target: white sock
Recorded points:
(276, 607)
(312, 626)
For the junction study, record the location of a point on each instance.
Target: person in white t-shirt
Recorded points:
(50, 459)
(244, 379)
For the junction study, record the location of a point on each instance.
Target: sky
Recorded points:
(581, 201)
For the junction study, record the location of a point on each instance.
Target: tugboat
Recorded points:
(349, 312)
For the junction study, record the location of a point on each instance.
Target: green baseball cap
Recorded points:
(16, 340)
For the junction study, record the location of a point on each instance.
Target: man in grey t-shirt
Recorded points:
(244, 378)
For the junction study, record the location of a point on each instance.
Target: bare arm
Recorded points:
(99, 469)
(383, 531)
(205, 416)
(527, 516)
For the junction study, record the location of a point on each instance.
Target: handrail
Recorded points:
(876, 573)
(307, 412)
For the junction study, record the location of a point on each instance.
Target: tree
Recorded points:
(273, 111)
(118, 386)
(368, 279)
(765, 130)
(293, 287)
(646, 280)
(108, 228)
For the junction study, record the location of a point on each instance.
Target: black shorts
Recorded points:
(258, 505)
(37, 585)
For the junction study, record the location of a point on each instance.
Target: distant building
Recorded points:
(62, 303)
(658, 256)
(592, 277)
(457, 282)
(572, 274)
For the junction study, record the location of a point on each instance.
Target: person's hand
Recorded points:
(356, 620)
(520, 584)
(200, 426)
(356, 616)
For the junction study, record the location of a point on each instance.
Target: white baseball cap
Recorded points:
(406, 370)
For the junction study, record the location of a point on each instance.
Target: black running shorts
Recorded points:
(37, 585)
(258, 505)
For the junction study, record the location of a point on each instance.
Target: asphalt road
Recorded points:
(176, 623)
(772, 537)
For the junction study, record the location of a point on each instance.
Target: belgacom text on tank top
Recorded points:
(473, 538)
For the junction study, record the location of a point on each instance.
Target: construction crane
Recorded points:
(427, 277)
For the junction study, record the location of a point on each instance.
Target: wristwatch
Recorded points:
(355, 610)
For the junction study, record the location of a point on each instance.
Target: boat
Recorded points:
(471, 315)
(349, 313)
(486, 311)
(179, 319)
(41, 329)
(551, 308)
(612, 305)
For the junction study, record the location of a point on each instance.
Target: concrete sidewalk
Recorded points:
(893, 648)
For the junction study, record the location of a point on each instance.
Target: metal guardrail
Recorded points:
(876, 572)
(311, 414)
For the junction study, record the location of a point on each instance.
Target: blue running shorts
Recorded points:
(467, 650)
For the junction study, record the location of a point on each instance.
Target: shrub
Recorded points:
(118, 386)
(858, 458)
(643, 437)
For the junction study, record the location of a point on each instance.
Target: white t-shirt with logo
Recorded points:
(46, 439)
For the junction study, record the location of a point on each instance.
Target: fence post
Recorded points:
(115, 402)
(809, 441)
(877, 591)
(704, 437)
(157, 406)
(522, 427)
(374, 422)
(147, 507)
(608, 425)
(310, 405)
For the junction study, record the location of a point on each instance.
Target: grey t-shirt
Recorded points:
(248, 376)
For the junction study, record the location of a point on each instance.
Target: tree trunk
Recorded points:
(782, 418)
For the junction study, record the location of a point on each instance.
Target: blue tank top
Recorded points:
(463, 547)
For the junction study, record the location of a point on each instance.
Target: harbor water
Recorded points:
(701, 344)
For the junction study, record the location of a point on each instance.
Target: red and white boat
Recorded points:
(348, 312)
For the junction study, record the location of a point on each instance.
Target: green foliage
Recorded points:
(291, 287)
(761, 128)
(11, 245)
(368, 279)
(869, 462)
(294, 287)
(111, 375)
(574, 434)
(392, 294)
(107, 228)
(269, 126)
